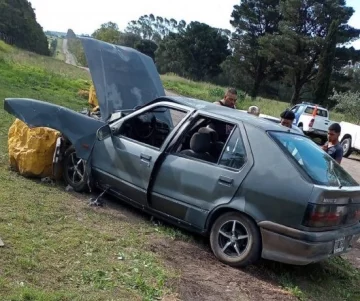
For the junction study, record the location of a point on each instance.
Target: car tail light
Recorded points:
(311, 123)
(319, 215)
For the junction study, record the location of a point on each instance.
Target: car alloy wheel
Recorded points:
(75, 171)
(235, 239)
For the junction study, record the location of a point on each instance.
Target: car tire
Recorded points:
(238, 248)
(75, 171)
(346, 145)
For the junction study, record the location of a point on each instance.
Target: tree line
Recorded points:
(290, 50)
(18, 22)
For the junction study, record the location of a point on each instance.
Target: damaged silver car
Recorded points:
(255, 188)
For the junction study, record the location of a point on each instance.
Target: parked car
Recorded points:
(315, 127)
(349, 137)
(277, 120)
(255, 188)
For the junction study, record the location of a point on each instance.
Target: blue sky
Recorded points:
(85, 16)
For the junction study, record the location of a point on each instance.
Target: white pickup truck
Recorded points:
(314, 127)
(349, 137)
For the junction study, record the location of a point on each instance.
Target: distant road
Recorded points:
(69, 57)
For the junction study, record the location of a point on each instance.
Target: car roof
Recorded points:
(226, 113)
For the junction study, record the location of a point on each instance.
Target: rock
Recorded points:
(69, 188)
(1, 243)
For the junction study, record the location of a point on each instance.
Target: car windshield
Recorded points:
(313, 160)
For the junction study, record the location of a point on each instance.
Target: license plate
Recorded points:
(339, 245)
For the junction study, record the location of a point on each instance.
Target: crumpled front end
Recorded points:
(78, 128)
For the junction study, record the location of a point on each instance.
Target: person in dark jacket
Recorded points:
(287, 118)
(229, 99)
(333, 146)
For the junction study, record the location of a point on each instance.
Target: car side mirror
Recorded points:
(103, 132)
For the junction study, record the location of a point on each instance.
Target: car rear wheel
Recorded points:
(346, 145)
(75, 171)
(235, 240)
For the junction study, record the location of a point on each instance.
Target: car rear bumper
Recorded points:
(297, 247)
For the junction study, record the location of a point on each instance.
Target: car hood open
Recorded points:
(123, 77)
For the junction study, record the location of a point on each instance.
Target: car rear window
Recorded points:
(313, 160)
(319, 112)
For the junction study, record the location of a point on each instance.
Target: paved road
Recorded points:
(352, 166)
(69, 57)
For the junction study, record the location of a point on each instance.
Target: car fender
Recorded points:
(237, 204)
(78, 128)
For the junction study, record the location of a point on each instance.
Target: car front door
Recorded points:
(123, 162)
(188, 188)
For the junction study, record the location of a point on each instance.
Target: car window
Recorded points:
(234, 155)
(320, 112)
(313, 160)
(152, 127)
(295, 109)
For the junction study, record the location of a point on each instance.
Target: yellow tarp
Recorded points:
(31, 150)
(93, 101)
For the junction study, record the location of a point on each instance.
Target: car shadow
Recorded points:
(353, 158)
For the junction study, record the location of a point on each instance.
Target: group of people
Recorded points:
(332, 146)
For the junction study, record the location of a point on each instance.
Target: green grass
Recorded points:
(56, 246)
(59, 248)
(332, 280)
(210, 92)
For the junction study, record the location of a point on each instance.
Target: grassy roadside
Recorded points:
(84, 254)
(100, 254)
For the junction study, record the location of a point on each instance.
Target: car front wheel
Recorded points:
(75, 172)
(235, 240)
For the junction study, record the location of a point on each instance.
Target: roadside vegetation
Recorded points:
(56, 246)
(59, 248)
(211, 92)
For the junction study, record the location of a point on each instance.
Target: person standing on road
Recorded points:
(287, 118)
(333, 146)
(229, 99)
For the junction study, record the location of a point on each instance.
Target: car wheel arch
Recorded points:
(217, 212)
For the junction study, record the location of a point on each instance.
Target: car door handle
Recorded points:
(145, 157)
(225, 180)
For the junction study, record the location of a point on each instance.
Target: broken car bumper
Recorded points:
(292, 246)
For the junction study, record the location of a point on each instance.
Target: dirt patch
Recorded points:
(354, 255)
(203, 277)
